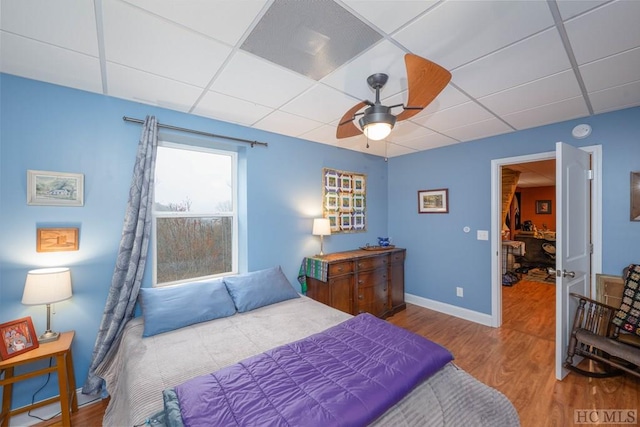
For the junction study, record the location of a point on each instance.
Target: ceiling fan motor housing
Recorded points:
(377, 114)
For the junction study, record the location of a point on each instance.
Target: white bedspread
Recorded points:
(143, 367)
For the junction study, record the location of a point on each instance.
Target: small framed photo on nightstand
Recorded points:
(18, 336)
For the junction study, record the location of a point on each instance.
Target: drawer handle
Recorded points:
(360, 265)
(361, 311)
(360, 282)
(360, 296)
(339, 268)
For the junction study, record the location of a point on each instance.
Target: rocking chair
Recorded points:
(595, 337)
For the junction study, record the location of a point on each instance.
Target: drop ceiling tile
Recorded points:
(395, 150)
(138, 86)
(406, 131)
(522, 62)
(40, 61)
(551, 113)
(598, 75)
(454, 117)
(222, 107)
(607, 30)
(429, 141)
(385, 57)
(478, 130)
(320, 103)
(137, 39)
(376, 148)
(540, 92)
(456, 32)
(223, 20)
(616, 98)
(389, 15)
(253, 79)
(569, 9)
(325, 134)
(64, 23)
(286, 124)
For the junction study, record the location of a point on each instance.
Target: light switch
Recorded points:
(483, 235)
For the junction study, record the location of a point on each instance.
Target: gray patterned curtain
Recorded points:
(132, 255)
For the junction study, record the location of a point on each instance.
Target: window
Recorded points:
(195, 213)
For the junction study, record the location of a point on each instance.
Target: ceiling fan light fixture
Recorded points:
(377, 122)
(377, 131)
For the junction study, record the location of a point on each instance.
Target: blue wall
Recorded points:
(440, 256)
(48, 127)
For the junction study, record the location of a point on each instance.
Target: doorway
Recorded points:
(496, 220)
(528, 247)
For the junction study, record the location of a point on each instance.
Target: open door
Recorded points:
(573, 253)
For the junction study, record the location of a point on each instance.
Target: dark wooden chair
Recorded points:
(595, 337)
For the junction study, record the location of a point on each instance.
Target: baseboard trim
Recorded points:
(451, 310)
(50, 411)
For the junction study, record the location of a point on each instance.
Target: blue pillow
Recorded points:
(172, 307)
(259, 288)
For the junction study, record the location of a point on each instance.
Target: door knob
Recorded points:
(563, 273)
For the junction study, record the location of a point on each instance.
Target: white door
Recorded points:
(573, 251)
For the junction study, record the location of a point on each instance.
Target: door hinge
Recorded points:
(591, 248)
(590, 174)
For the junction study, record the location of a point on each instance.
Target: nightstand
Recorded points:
(61, 351)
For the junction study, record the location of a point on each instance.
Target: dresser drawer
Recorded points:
(372, 278)
(397, 256)
(371, 263)
(338, 268)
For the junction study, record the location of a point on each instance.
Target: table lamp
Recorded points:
(321, 227)
(47, 286)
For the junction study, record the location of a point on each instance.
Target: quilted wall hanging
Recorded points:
(344, 200)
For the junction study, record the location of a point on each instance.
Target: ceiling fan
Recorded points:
(425, 80)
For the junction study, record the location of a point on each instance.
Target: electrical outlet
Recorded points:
(459, 292)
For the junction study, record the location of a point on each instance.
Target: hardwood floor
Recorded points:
(517, 359)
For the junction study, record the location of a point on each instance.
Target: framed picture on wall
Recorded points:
(635, 196)
(543, 207)
(433, 201)
(46, 188)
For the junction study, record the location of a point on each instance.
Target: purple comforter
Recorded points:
(348, 375)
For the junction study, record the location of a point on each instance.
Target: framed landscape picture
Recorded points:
(55, 188)
(433, 201)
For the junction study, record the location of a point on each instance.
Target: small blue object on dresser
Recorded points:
(259, 288)
(167, 308)
(383, 241)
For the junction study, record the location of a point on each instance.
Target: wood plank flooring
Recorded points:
(517, 359)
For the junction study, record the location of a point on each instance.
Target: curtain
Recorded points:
(132, 255)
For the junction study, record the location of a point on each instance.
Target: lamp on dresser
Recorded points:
(321, 227)
(47, 286)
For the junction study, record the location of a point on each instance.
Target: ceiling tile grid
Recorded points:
(511, 63)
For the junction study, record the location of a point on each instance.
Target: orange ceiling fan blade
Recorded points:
(346, 128)
(425, 81)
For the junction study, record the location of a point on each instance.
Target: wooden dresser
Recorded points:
(362, 281)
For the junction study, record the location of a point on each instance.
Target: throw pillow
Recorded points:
(171, 307)
(259, 288)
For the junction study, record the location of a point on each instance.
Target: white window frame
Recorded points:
(234, 214)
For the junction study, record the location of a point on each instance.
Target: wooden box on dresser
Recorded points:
(362, 281)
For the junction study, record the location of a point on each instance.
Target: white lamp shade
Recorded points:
(46, 286)
(321, 227)
(377, 131)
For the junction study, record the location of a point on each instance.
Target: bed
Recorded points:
(143, 368)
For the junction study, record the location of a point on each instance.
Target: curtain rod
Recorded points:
(197, 132)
